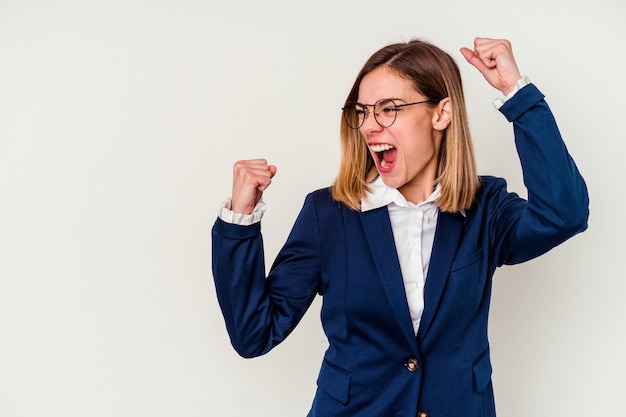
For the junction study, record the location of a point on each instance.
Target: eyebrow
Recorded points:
(386, 98)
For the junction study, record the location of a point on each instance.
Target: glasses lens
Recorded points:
(385, 112)
(354, 115)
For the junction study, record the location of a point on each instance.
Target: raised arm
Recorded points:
(557, 205)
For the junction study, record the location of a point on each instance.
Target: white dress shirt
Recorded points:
(413, 227)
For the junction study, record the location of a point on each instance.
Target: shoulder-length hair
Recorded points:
(435, 75)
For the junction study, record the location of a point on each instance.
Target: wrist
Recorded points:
(509, 86)
(229, 215)
(521, 83)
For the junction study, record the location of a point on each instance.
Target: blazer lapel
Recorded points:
(377, 228)
(447, 236)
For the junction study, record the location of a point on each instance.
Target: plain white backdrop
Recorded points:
(119, 125)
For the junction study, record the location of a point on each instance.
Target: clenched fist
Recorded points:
(494, 59)
(250, 178)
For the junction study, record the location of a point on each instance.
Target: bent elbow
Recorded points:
(249, 348)
(574, 210)
(579, 223)
(576, 219)
(247, 352)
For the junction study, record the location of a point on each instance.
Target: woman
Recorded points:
(404, 245)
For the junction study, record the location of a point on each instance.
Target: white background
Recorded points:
(119, 125)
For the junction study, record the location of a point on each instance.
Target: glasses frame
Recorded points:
(373, 106)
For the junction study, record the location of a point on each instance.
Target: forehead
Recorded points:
(385, 83)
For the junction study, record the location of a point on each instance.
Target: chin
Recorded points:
(390, 181)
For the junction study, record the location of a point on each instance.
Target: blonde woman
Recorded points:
(403, 246)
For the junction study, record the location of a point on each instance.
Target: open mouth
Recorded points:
(385, 155)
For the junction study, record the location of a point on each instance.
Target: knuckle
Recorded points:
(238, 165)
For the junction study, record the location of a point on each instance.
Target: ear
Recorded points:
(443, 114)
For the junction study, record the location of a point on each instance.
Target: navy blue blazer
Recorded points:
(375, 366)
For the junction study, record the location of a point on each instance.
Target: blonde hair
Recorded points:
(435, 75)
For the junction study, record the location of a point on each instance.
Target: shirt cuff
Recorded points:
(521, 83)
(232, 217)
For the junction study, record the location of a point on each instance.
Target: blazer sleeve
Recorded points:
(261, 311)
(557, 205)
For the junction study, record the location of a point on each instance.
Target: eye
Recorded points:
(389, 110)
(386, 107)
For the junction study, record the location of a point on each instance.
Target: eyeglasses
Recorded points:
(385, 112)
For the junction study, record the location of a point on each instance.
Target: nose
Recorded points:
(370, 124)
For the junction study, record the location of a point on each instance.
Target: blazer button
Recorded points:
(413, 366)
(422, 414)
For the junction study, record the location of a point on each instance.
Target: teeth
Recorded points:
(380, 148)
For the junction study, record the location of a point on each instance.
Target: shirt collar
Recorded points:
(382, 195)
